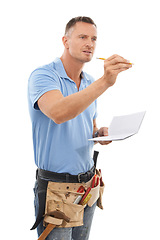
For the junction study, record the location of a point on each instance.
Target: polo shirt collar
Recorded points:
(61, 71)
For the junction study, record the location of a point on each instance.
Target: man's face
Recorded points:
(81, 41)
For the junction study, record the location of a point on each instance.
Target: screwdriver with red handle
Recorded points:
(86, 197)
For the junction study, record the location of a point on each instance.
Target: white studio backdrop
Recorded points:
(31, 34)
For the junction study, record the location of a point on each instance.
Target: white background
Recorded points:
(31, 34)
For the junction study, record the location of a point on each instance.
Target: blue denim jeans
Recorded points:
(75, 233)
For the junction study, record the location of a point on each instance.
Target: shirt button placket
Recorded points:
(75, 87)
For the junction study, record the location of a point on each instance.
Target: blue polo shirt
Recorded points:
(60, 147)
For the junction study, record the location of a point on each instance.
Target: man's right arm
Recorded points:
(61, 109)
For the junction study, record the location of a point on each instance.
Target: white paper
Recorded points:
(122, 127)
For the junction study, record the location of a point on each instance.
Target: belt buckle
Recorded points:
(79, 176)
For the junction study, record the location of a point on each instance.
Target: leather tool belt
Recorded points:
(62, 196)
(58, 194)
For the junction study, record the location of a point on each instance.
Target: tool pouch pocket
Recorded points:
(75, 213)
(97, 193)
(61, 197)
(99, 201)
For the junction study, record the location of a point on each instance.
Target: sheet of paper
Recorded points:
(122, 127)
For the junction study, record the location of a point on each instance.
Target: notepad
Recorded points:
(122, 127)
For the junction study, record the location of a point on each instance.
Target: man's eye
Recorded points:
(82, 37)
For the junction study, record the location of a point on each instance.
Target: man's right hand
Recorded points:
(113, 66)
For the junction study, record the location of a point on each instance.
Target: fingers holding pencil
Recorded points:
(116, 59)
(113, 66)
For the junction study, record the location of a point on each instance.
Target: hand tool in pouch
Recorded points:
(47, 231)
(81, 189)
(86, 197)
(50, 227)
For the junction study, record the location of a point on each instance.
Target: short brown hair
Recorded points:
(73, 21)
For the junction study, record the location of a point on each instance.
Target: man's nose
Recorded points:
(89, 43)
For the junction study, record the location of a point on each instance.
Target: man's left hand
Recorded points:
(103, 131)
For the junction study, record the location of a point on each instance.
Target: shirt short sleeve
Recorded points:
(41, 81)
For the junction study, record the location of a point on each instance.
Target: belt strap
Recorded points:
(66, 177)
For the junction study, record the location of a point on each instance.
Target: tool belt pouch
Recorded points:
(60, 197)
(97, 193)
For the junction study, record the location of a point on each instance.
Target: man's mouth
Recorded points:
(87, 51)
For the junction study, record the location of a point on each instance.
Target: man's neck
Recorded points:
(72, 67)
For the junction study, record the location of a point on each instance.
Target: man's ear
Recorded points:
(65, 42)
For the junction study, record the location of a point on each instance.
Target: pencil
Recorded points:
(105, 59)
(101, 58)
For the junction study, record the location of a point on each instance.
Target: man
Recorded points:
(62, 104)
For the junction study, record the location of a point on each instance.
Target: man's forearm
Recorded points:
(71, 106)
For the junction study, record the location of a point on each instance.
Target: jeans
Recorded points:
(74, 233)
